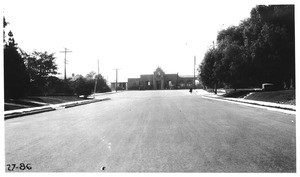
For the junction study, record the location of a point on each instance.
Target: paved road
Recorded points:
(154, 131)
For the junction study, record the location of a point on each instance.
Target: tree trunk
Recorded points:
(215, 88)
(292, 84)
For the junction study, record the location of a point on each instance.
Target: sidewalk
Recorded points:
(34, 110)
(241, 100)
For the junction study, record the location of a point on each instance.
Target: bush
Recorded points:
(83, 86)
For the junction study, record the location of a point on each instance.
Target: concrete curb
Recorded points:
(36, 110)
(257, 103)
(25, 113)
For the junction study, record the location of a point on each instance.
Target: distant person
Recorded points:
(191, 90)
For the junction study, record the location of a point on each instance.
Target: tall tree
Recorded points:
(101, 84)
(260, 49)
(271, 42)
(40, 66)
(16, 79)
(5, 23)
(91, 75)
(210, 68)
(231, 45)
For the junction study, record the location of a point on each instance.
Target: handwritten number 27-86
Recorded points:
(22, 166)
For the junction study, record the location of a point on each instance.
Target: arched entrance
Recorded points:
(158, 79)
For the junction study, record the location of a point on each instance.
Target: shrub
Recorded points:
(83, 86)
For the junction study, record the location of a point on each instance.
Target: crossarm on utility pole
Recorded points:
(65, 61)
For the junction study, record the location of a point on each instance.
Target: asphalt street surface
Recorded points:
(153, 131)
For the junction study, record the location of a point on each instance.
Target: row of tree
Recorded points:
(261, 49)
(34, 74)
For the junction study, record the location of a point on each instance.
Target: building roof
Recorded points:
(133, 78)
(171, 74)
(119, 82)
(187, 76)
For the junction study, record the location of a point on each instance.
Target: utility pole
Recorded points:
(116, 78)
(65, 61)
(96, 80)
(98, 67)
(194, 72)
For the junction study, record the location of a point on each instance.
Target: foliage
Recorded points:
(5, 23)
(90, 75)
(101, 84)
(86, 85)
(16, 79)
(40, 67)
(34, 74)
(83, 86)
(208, 68)
(260, 49)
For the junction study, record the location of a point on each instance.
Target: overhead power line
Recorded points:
(65, 61)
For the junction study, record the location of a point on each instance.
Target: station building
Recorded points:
(159, 80)
(120, 85)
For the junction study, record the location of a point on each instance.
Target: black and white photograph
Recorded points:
(149, 87)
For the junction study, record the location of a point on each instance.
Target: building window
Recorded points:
(189, 83)
(181, 83)
(148, 83)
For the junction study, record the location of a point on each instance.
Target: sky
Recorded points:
(134, 36)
